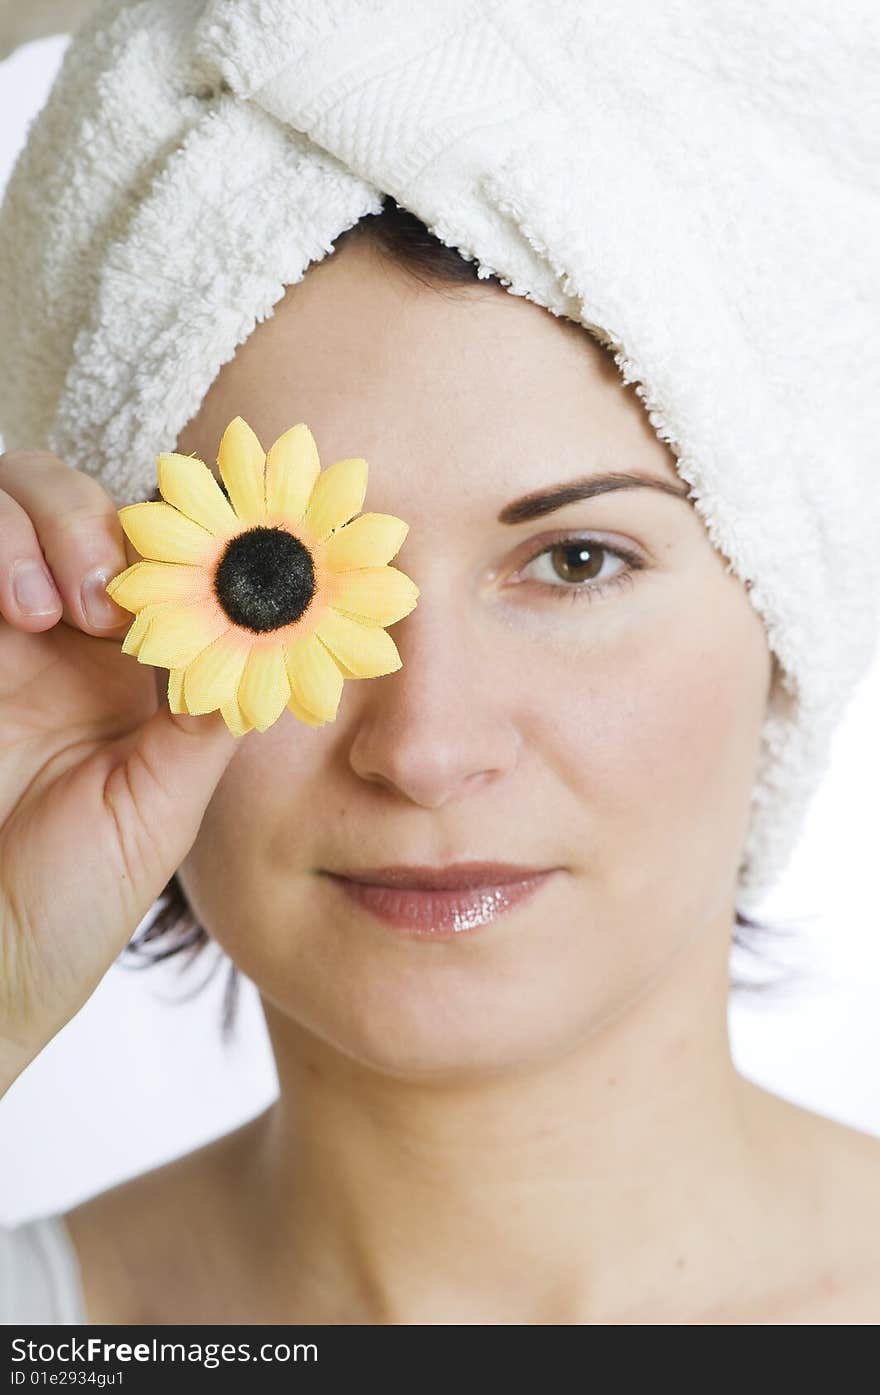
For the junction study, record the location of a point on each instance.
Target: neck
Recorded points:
(588, 1187)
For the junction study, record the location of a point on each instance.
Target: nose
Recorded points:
(441, 724)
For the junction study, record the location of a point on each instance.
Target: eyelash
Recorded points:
(577, 590)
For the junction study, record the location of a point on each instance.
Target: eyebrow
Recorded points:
(545, 501)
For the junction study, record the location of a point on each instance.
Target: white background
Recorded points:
(137, 1079)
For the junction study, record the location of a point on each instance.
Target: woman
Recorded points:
(532, 1117)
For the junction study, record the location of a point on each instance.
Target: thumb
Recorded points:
(186, 756)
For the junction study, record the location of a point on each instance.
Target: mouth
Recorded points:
(439, 902)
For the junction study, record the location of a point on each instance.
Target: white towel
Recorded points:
(695, 182)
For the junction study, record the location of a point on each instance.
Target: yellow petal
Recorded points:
(146, 583)
(213, 677)
(159, 532)
(235, 718)
(292, 466)
(177, 633)
(368, 541)
(242, 465)
(376, 595)
(315, 679)
(176, 700)
(138, 630)
(188, 484)
(304, 716)
(365, 651)
(337, 496)
(264, 690)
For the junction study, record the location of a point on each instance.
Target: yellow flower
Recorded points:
(270, 597)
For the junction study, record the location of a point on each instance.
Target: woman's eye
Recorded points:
(574, 567)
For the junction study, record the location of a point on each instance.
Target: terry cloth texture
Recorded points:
(695, 184)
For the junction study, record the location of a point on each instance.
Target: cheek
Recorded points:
(656, 725)
(247, 853)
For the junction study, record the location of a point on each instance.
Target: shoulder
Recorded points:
(136, 1242)
(853, 1187)
(836, 1167)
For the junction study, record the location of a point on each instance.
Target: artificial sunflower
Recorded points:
(267, 596)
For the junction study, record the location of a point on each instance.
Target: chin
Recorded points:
(432, 1037)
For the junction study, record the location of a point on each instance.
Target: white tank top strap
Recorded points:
(40, 1277)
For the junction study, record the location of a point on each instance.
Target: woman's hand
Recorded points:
(102, 788)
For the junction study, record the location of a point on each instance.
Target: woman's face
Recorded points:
(533, 721)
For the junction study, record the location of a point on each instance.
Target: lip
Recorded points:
(456, 876)
(440, 902)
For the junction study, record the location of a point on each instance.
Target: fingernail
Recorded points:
(33, 589)
(100, 611)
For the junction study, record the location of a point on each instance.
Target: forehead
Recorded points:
(468, 384)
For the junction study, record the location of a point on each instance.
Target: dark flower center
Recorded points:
(265, 579)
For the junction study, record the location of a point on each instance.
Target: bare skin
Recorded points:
(540, 1123)
(175, 1245)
